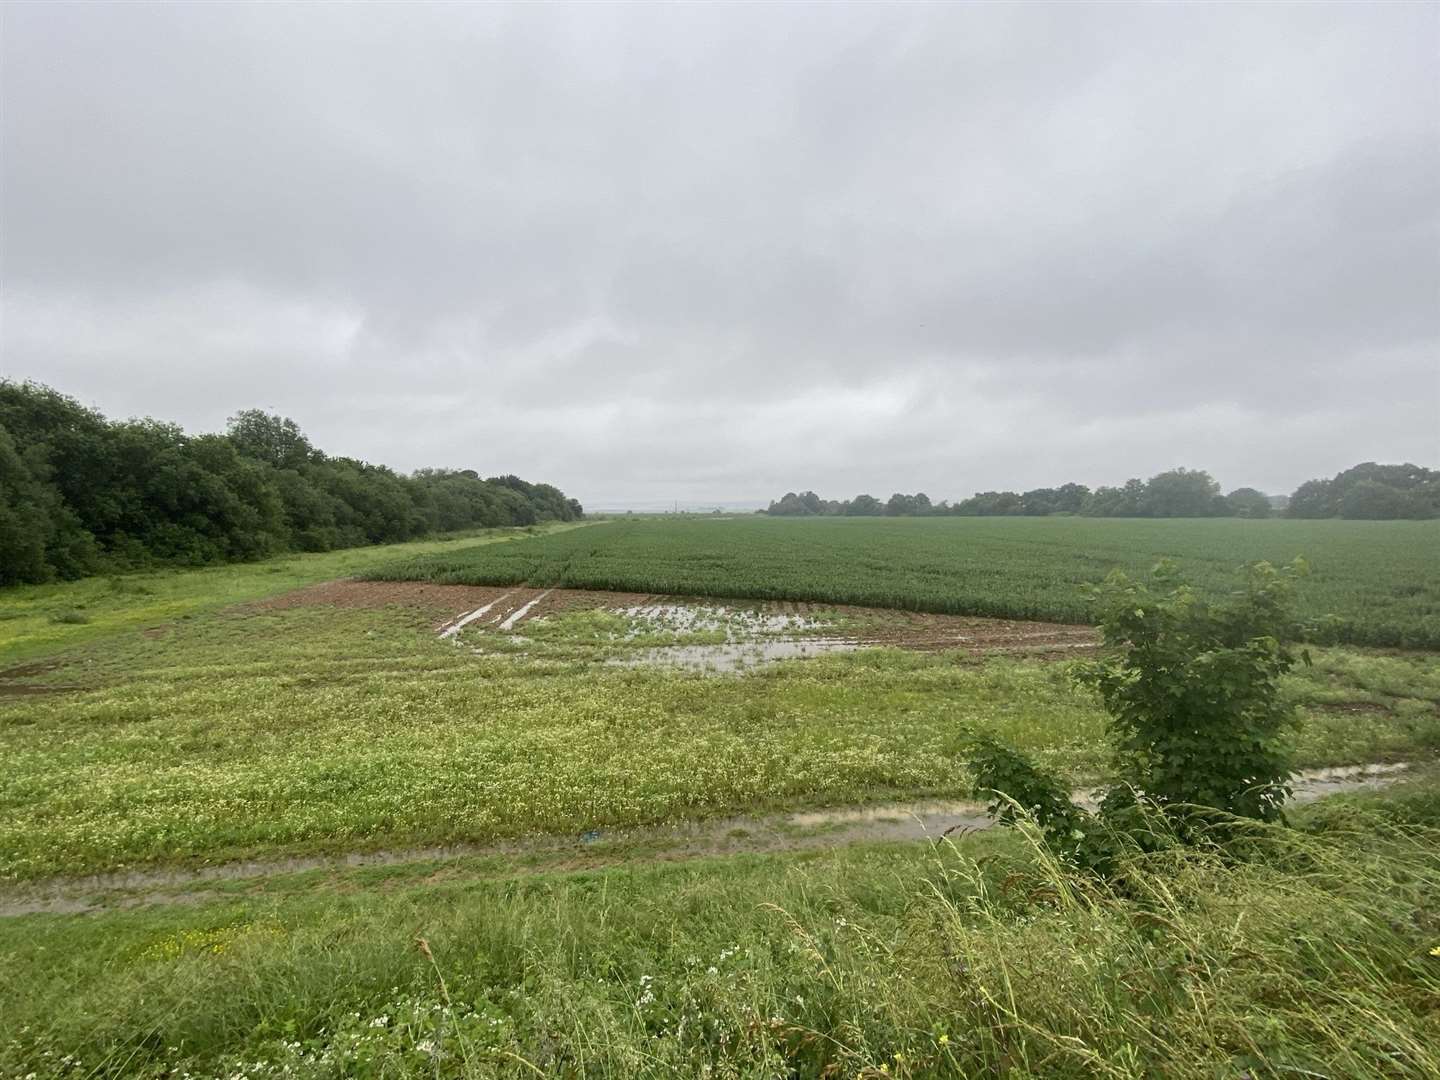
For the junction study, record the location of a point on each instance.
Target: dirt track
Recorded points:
(598, 847)
(443, 605)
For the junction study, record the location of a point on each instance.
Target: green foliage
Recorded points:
(86, 494)
(1197, 721)
(976, 959)
(1382, 581)
(1017, 790)
(1193, 688)
(1182, 493)
(1370, 492)
(274, 440)
(1246, 502)
(1367, 492)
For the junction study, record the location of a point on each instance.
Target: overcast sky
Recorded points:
(713, 253)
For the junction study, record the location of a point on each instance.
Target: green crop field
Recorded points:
(1379, 580)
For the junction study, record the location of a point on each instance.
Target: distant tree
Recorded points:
(1069, 498)
(900, 505)
(79, 493)
(1370, 500)
(1313, 499)
(1247, 503)
(990, 504)
(1126, 501)
(1181, 493)
(865, 506)
(805, 504)
(1370, 490)
(1038, 502)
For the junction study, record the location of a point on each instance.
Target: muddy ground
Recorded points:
(600, 847)
(445, 605)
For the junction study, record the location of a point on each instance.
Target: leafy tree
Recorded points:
(1069, 498)
(1126, 501)
(990, 504)
(1181, 493)
(900, 505)
(1313, 499)
(1370, 500)
(1038, 502)
(272, 439)
(78, 493)
(794, 505)
(1246, 502)
(864, 506)
(25, 525)
(1370, 491)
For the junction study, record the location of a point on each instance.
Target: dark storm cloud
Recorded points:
(717, 252)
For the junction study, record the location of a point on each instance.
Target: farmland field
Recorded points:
(1379, 580)
(235, 798)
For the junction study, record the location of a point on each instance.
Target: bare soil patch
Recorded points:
(513, 606)
(9, 687)
(440, 601)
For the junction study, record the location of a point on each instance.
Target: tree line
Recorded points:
(1367, 492)
(80, 494)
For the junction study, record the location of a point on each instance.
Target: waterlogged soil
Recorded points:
(930, 819)
(736, 655)
(758, 632)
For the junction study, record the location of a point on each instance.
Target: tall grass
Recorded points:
(1309, 956)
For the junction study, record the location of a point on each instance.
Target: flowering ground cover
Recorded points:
(252, 732)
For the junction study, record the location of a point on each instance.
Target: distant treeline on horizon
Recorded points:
(1368, 492)
(80, 494)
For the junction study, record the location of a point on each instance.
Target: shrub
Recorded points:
(1196, 716)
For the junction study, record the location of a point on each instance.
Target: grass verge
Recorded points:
(1314, 956)
(39, 619)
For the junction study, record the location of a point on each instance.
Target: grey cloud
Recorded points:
(713, 252)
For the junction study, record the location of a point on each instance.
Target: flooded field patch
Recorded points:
(635, 629)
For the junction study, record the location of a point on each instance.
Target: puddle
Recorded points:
(735, 655)
(520, 612)
(801, 830)
(685, 632)
(752, 636)
(736, 623)
(465, 620)
(1315, 784)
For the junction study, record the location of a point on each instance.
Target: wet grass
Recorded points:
(224, 732)
(36, 620)
(1312, 956)
(248, 733)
